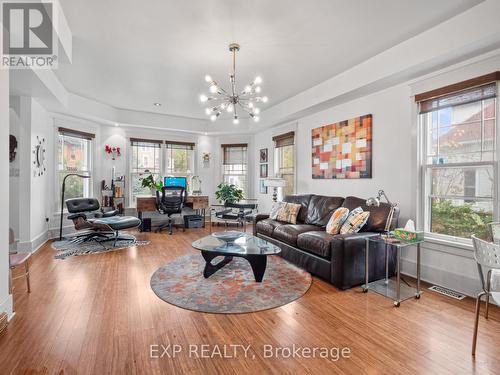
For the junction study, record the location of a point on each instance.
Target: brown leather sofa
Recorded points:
(339, 259)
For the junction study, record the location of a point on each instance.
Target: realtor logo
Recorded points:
(28, 35)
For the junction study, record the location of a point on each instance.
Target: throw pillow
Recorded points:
(338, 218)
(289, 213)
(355, 221)
(275, 209)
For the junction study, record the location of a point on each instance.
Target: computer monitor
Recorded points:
(175, 181)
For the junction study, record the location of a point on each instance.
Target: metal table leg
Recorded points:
(418, 272)
(367, 250)
(398, 276)
(386, 263)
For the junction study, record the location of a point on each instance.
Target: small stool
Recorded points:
(17, 259)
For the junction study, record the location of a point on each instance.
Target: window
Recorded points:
(146, 159)
(234, 165)
(74, 156)
(180, 159)
(284, 161)
(459, 161)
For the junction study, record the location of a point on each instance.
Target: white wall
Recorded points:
(5, 297)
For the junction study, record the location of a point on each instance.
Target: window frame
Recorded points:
(185, 146)
(75, 134)
(135, 171)
(289, 140)
(245, 169)
(426, 196)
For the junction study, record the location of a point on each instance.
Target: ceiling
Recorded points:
(131, 54)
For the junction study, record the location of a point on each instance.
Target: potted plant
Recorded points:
(149, 182)
(228, 193)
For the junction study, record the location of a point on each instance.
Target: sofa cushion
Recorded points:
(267, 226)
(355, 221)
(378, 215)
(321, 208)
(289, 213)
(303, 200)
(288, 233)
(337, 220)
(318, 243)
(276, 209)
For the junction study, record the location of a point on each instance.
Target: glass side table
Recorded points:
(388, 287)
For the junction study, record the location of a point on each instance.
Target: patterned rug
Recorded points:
(68, 248)
(232, 289)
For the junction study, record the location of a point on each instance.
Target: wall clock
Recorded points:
(39, 162)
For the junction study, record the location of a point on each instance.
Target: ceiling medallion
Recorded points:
(232, 100)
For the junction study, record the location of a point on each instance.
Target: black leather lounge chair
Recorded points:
(102, 226)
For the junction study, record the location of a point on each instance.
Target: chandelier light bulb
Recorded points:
(208, 78)
(229, 108)
(250, 104)
(265, 99)
(213, 89)
(256, 118)
(257, 80)
(257, 89)
(208, 111)
(256, 111)
(203, 98)
(248, 89)
(236, 121)
(213, 117)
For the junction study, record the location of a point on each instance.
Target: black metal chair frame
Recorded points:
(169, 205)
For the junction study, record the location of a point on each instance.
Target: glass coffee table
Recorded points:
(255, 250)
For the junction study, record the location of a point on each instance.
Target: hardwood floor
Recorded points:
(97, 314)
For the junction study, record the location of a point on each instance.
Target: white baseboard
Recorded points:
(442, 277)
(33, 245)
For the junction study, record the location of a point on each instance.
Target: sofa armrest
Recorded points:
(348, 259)
(256, 219)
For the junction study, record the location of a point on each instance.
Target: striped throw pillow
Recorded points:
(338, 218)
(355, 221)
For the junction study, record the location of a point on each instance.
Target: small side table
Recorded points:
(388, 287)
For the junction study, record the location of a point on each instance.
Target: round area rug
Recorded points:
(232, 289)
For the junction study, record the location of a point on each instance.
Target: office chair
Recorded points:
(170, 204)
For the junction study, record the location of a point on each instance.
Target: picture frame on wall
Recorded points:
(263, 188)
(263, 171)
(263, 155)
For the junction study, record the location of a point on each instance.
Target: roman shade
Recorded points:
(180, 145)
(141, 142)
(76, 133)
(234, 153)
(283, 140)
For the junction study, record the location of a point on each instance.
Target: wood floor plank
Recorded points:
(97, 314)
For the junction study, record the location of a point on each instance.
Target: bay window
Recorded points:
(74, 156)
(234, 165)
(459, 161)
(284, 161)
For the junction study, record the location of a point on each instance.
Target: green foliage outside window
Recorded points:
(459, 221)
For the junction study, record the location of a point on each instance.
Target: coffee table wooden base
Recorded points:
(257, 262)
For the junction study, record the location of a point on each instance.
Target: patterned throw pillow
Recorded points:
(289, 213)
(338, 218)
(357, 218)
(275, 209)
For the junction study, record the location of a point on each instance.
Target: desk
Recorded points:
(147, 203)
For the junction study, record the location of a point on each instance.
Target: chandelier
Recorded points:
(232, 100)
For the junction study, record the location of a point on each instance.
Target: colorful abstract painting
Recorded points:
(343, 150)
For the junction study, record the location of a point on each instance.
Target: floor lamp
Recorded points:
(275, 183)
(63, 188)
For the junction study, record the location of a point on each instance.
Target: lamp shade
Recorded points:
(275, 182)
